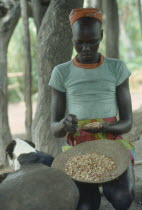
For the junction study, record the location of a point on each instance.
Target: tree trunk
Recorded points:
(88, 3)
(54, 47)
(140, 14)
(5, 135)
(28, 67)
(37, 13)
(99, 4)
(39, 8)
(93, 3)
(7, 25)
(112, 28)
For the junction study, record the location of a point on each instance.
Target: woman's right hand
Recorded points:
(70, 123)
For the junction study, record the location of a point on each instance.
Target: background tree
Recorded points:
(54, 47)
(110, 25)
(38, 11)
(39, 8)
(28, 67)
(98, 4)
(110, 9)
(9, 16)
(88, 3)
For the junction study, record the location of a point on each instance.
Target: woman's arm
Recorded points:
(124, 124)
(60, 124)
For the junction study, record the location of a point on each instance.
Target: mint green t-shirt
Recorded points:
(90, 93)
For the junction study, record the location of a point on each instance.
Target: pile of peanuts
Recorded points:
(90, 167)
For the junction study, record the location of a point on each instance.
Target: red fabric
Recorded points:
(85, 12)
(85, 136)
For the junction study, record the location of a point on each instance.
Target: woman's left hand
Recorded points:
(102, 128)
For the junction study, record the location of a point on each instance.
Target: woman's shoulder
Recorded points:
(64, 66)
(115, 65)
(113, 61)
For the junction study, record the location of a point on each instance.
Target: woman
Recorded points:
(91, 88)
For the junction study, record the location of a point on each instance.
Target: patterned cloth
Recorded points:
(82, 136)
(85, 12)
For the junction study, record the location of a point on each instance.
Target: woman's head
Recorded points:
(87, 34)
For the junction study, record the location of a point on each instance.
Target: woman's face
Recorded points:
(87, 34)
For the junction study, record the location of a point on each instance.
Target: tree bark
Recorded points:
(54, 46)
(93, 3)
(39, 9)
(28, 67)
(112, 28)
(99, 4)
(88, 3)
(7, 25)
(37, 13)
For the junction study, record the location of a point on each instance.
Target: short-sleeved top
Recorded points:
(90, 93)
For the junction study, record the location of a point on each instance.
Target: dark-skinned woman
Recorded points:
(93, 88)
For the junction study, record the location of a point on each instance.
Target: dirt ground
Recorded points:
(16, 120)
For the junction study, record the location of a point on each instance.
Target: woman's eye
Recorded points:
(93, 41)
(79, 42)
(89, 42)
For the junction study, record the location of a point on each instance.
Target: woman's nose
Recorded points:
(86, 47)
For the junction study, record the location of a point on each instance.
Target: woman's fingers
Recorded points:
(73, 118)
(70, 123)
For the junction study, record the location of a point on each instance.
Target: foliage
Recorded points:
(128, 13)
(16, 62)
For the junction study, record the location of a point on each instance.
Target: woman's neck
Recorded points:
(88, 60)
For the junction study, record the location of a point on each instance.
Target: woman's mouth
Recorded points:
(86, 54)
